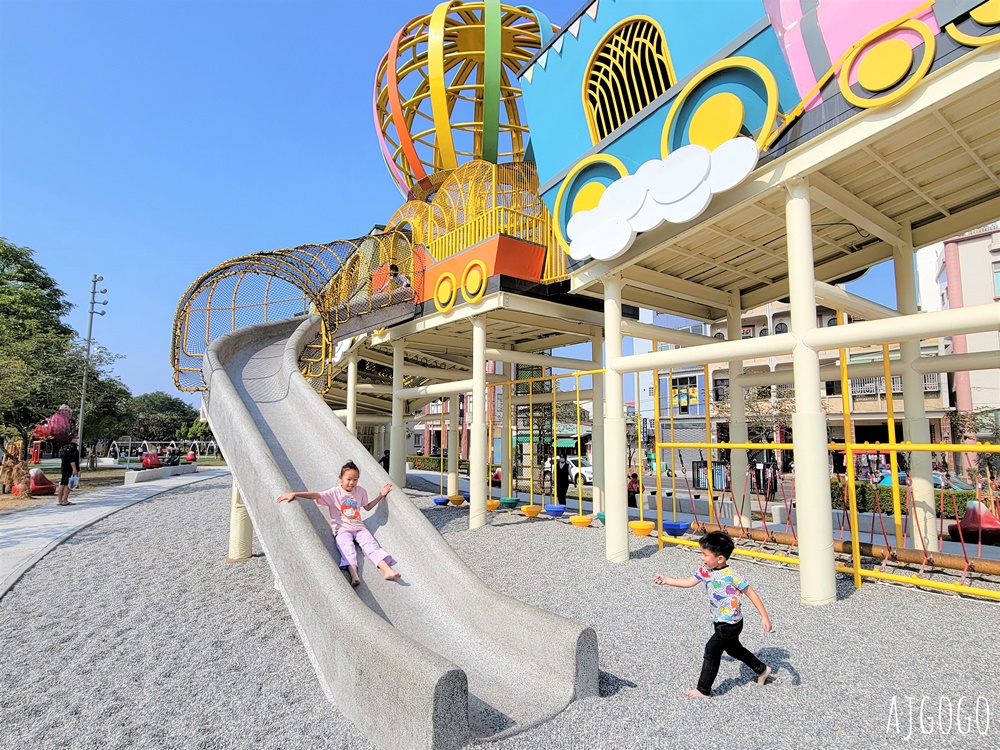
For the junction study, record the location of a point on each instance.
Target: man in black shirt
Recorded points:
(70, 468)
(385, 460)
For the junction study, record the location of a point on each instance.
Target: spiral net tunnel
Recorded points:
(344, 280)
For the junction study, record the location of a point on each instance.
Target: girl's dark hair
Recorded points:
(718, 543)
(349, 466)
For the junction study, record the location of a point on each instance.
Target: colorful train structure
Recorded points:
(699, 159)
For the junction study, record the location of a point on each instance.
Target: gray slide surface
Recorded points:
(432, 661)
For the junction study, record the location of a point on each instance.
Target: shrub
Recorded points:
(865, 493)
(433, 463)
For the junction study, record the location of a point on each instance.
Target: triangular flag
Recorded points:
(592, 10)
(528, 73)
(574, 28)
(557, 45)
(543, 58)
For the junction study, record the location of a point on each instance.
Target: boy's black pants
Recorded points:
(726, 639)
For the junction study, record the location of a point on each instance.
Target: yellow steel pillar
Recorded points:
(916, 428)
(817, 578)
(597, 428)
(477, 437)
(737, 416)
(615, 475)
(240, 529)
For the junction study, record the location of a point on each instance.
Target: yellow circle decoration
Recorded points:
(557, 219)
(474, 281)
(748, 63)
(445, 291)
(885, 64)
(843, 77)
(588, 196)
(987, 14)
(718, 119)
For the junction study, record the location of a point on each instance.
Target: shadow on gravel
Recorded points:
(775, 658)
(609, 684)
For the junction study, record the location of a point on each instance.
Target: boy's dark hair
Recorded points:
(394, 268)
(718, 543)
(350, 466)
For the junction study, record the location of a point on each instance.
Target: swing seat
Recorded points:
(581, 521)
(531, 511)
(676, 528)
(440, 501)
(509, 502)
(641, 528)
(555, 510)
(492, 504)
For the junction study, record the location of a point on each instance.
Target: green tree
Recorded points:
(160, 416)
(30, 300)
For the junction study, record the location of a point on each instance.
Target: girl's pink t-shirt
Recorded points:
(345, 509)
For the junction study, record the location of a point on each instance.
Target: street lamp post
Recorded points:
(94, 291)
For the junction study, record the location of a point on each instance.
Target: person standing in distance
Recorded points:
(70, 468)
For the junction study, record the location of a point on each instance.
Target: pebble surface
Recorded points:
(133, 633)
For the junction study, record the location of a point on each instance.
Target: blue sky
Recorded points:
(149, 141)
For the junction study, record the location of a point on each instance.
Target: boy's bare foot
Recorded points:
(390, 574)
(762, 677)
(695, 693)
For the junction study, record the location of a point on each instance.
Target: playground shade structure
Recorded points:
(441, 643)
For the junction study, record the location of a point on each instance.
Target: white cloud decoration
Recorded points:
(675, 190)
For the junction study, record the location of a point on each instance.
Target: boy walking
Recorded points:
(724, 587)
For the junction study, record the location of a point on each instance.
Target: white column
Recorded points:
(817, 581)
(916, 427)
(453, 449)
(615, 476)
(240, 529)
(597, 430)
(379, 441)
(737, 415)
(397, 435)
(477, 434)
(352, 393)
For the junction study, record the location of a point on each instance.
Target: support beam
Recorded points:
(907, 327)
(504, 393)
(846, 204)
(722, 351)
(240, 528)
(476, 408)
(436, 389)
(397, 435)
(379, 419)
(673, 286)
(916, 427)
(561, 396)
(454, 454)
(615, 479)
(540, 360)
(638, 330)
(352, 392)
(935, 363)
(382, 390)
(840, 299)
(817, 577)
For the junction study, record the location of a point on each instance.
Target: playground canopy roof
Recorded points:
(908, 175)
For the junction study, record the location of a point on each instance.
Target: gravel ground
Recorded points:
(134, 634)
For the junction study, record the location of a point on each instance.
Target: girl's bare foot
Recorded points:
(390, 575)
(694, 693)
(762, 677)
(355, 582)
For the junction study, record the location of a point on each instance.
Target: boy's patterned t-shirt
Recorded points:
(724, 587)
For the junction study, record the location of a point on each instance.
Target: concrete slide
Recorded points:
(436, 660)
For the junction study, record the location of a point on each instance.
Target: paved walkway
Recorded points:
(27, 536)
